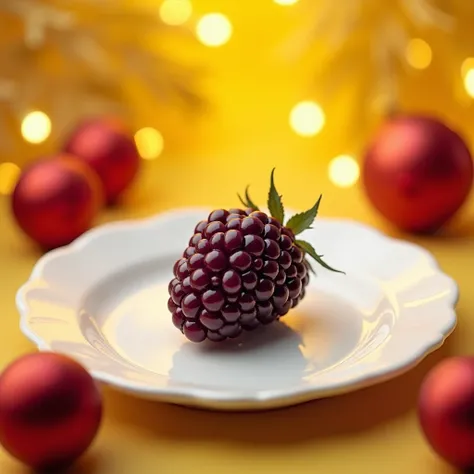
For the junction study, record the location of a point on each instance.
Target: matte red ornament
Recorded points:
(56, 200)
(446, 410)
(109, 148)
(417, 173)
(50, 410)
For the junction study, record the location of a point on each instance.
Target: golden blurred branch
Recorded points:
(78, 57)
(362, 49)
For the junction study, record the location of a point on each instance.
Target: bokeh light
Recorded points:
(176, 12)
(467, 72)
(344, 171)
(214, 29)
(149, 143)
(469, 82)
(36, 127)
(419, 54)
(466, 66)
(307, 118)
(9, 174)
(286, 2)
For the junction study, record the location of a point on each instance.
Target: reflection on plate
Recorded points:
(102, 300)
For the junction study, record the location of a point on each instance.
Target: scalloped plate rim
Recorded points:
(232, 400)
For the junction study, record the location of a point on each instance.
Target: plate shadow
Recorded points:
(275, 348)
(358, 411)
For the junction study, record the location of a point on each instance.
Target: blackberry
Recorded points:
(242, 269)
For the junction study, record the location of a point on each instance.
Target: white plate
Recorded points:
(103, 301)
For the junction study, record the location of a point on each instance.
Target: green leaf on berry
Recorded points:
(247, 202)
(302, 221)
(311, 268)
(275, 205)
(309, 249)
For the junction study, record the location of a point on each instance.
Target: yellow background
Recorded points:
(208, 156)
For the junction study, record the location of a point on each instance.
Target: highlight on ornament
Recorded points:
(150, 143)
(344, 171)
(214, 29)
(307, 118)
(36, 127)
(176, 12)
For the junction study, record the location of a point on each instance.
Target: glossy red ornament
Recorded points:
(109, 148)
(446, 410)
(50, 410)
(56, 200)
(417, 173)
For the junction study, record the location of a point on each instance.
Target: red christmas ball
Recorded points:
(56, 200)
(50, 410)
(417, 173)
(446, 410)
(108, 147)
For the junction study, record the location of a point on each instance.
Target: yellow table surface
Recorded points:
(206, 160)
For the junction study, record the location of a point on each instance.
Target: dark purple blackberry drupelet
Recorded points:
(241, 269)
